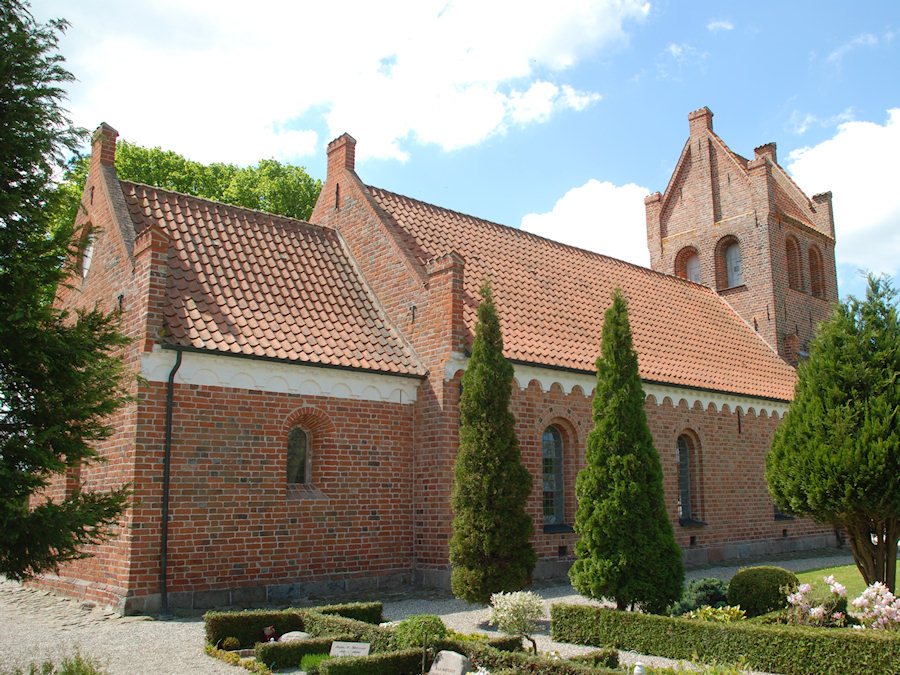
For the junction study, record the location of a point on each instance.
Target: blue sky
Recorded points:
(557, 117)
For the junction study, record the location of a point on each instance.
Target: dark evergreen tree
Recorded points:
(627, 548)
(490, 549)
(59, 375)
(836, 456)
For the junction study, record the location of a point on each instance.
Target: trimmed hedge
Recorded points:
(289, 654)
(247, 626)
(321, 625)
(368, 612)
(522, 662)
(406, 662)
(799, 650)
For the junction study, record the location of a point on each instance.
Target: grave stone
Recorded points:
(339, 648)
(294, 635)
(450, 663)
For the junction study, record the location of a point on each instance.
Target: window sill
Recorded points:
(558, 529)
(299, 491)
(690, 522)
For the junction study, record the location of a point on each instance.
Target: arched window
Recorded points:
(553, 500)
(733, 265)
(816, 281)
(298, 456)
(729, 268)
(687, 264)
(87, 256)
(687, 460)
(792, 251)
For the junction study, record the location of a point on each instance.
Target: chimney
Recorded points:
(341, 155)
(825, 213)
(767, 150)
(700, 120)
(103, 144)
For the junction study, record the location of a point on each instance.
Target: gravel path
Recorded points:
(36, 624)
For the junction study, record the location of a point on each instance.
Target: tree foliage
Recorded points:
(490, 549)
(627, 548)
(269, 186)
(836, 456)
(59, 375)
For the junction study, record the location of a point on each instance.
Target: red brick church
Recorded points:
(296, 426)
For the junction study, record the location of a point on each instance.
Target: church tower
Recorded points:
(744, 228)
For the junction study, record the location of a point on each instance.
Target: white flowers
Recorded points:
(877, 608)
(515, 613)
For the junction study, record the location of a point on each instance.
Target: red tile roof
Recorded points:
(551, 299)
(251, 283)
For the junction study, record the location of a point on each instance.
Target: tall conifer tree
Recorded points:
(627, 549)
(490, 549)
(836, 456)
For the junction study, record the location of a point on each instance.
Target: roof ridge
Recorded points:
(245, 209)
(526, 233)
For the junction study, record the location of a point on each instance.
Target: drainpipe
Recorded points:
(167, 456)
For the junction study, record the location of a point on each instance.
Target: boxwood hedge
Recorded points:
(799, 650)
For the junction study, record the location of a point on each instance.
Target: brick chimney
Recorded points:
(341, 155)
(767, 150)
(103, 144)
(700, 120)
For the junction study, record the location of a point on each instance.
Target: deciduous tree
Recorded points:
(59, 374)
(836, 456)
(627, 548)
(490, 549)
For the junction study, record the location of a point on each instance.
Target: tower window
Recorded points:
(687, 264)
(729, 268)
(733, 263)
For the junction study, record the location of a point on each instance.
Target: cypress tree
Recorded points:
(490, 549)
(627, 548)
(836, 456)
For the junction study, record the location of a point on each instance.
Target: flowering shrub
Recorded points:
(724, 614)
(515, 613)
(877, 608)
(808, 606)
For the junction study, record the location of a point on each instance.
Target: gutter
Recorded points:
(167, 459)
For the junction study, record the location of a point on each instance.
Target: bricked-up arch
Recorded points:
(792, 253)
(688, 463)
(305, 430)
(687, 264)
(816, 277)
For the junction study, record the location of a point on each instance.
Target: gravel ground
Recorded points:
(36, 624)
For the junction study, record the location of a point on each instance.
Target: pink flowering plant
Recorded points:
(877, 608)
(810, 605)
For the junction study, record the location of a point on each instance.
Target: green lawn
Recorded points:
(846, 574)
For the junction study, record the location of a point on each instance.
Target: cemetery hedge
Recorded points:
(800, 650)
(290, 654)
(247, 626)
(406, 662)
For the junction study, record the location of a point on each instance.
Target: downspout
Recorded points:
(167, 456)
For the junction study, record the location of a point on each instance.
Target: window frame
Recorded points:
(558, 490)
(306, 459)
(687, 480)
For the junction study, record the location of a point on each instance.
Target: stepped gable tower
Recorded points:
(744, 228)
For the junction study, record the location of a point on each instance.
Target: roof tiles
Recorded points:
(250, 283)
(551, 300)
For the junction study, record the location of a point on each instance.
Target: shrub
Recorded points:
(799, 650)
(699, 592)
(812, 606)
(419, 630)
(368, 612)
(530, 664)
(722, 614)
(760, 589)
(310, 662)
(606, 658)
(290, 654)
(877, 608)
(515, 613)
(231, 643)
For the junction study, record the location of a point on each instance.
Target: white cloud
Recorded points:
(598, 216)
(717, 25)
(801, 122)
(863, 40)
(858, 165)
(207, 77)
(676, 56)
